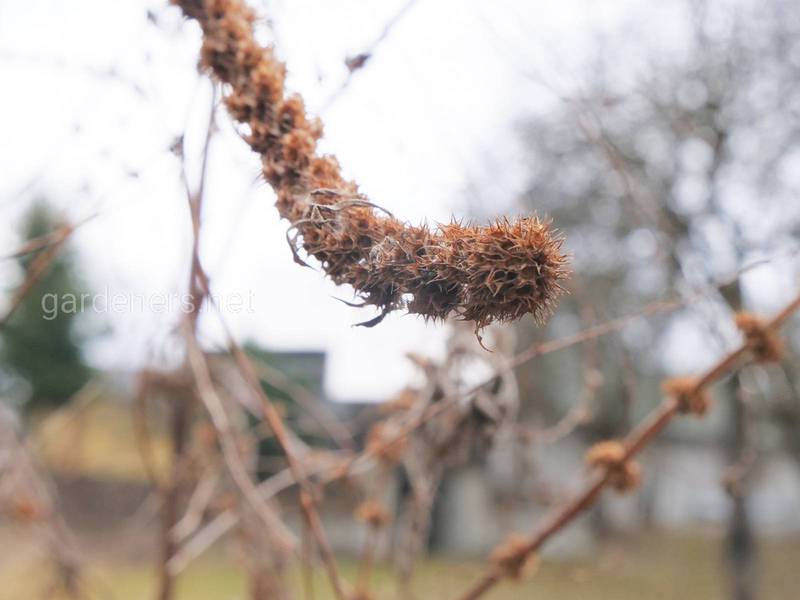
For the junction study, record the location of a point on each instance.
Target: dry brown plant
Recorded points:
(489, 274)
(682, 402)
(499, 272)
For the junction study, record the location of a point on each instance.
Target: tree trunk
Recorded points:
(740, 543)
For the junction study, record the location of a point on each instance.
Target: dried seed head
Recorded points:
(691, 401)
(373, 513)
(765, 343)
(385, 444)
(513, 557)
(482, 274)
(27, 510)
(606, 453)
(624, 474)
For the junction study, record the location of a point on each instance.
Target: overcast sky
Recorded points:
(95, 93)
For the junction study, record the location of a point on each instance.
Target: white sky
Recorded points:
(94, 93)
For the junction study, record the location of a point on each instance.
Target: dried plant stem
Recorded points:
(202, 540)
(308, 401)
(227, 520)
(367, 560)
(307, 502)
(590, 333)
(198, 288)
(43, 241)
(644, 433)
(275, 422)
(307, 566)
(141, 429)
(582, 411)
(55, 237)
(230, 452)
(26, 495)
(172, 491)
(357, 62)
(181, 406)
(375, 521)
(283, 480)
(198, 503)
(659, 307)
(38, 267)
(780, 319)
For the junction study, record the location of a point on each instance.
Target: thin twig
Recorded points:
(227, 519)
(199, 502)
(357, 62)
(314, 405)
(180, 407)
(38, 267)
(230, 451)
(307, 502)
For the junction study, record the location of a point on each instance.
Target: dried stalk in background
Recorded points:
(479, 420)
(499, 272)
(38, 267)
(683, 396)
(26, 496)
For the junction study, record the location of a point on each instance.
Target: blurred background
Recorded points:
(663, 140)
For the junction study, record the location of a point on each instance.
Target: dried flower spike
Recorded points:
(624, 474)
(495, 273)
(514, 558)
(765, 343)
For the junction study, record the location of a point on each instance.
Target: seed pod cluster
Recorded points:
(691, 401)
(624, 474)
(498, 272)
(514, 558)
(765, 343)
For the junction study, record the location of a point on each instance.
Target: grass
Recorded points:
(656, 567)
(97, 440)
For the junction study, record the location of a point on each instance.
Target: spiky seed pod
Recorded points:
(684, 391)
(513, 557)
(373, 514)
(499, 272)
(765, 343)
(624, 474)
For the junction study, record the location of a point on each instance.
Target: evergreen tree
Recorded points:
(41, 347)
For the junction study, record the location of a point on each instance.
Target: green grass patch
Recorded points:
(657, 567)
